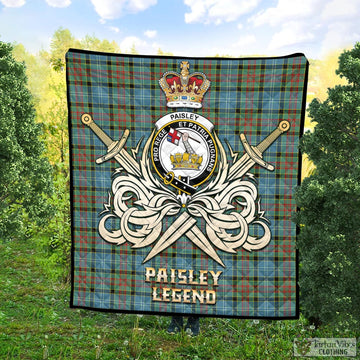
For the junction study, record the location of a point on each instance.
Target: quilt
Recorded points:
(183, 171)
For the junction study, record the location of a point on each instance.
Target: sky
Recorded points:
(189, 27)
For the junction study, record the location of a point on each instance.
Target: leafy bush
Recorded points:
(56, 238)
(25, 174)
(329, 202)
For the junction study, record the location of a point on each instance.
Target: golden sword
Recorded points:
(186, 225)
(115, 149)
(253, 154)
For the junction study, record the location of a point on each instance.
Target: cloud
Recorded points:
(115, 29)
(13, 3)
(132, 41)
(150, 33)
(309, 10)
(288, 10)
(109, 9)
(341, 8)
(245, 40)
(141, 46)
(217, 11)
(291, 33)
(303, 23)
(59, 3)
(339, 35)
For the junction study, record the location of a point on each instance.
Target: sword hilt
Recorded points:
(255, 152)
(282, 127)
(88, 121)
(114, 147)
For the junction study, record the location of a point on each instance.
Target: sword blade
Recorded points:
(241, 167)
(200, 240)
(184, 225)
(254, 154)
(123, 157)
(128, 162)
(177, 229)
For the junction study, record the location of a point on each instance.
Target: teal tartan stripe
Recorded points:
(246, 96)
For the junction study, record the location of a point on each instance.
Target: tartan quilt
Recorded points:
(182, 179)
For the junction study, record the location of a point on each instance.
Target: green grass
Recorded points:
(37, 323)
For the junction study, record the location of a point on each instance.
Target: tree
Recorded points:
(329, 202)
(164, 53)
(95, 44)
(25, 174)
(63, 40)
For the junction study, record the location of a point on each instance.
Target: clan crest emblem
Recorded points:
(183, 151)
(185, 173)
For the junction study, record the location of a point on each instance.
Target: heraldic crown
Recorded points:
(184, 89)
(186, 161)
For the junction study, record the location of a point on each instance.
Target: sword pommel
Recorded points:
(115, 149)
(254, 154)
(284, 126)
(86, 119)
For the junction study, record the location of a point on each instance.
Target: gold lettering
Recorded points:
(203, 277)
(149, 272)
(154, 294)
(197, 296)
(182, 277)
(176, 297)
(186, 296)
(191, 278)
(196, 278)
(166, 294)
(173, 276)
(162, 275)
(215, 277)
(210, 299)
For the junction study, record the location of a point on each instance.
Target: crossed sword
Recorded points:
(185, 224)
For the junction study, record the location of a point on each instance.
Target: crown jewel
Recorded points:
(184, 89)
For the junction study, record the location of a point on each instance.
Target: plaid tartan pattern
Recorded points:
(247, 95)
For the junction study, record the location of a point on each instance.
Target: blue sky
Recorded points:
(189, 27)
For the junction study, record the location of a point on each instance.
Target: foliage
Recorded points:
(56, 239)
(164, 53)
(329, 202)
(63, 40)
(46, 72)
(322, 75)
(25, 174)
(37, 323)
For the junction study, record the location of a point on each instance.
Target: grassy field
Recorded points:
(37, 323)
